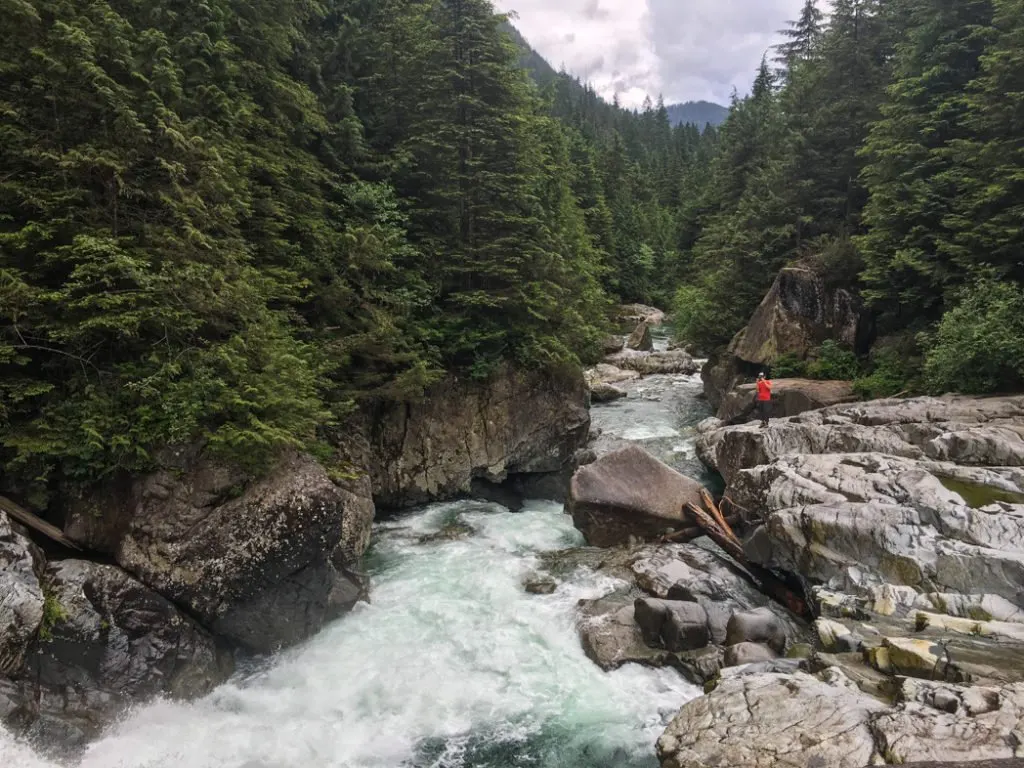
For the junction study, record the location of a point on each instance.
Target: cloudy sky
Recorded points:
(683, 49)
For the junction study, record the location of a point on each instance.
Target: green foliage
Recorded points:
(53, 614)
(788, 366)
(232, 222)
(892, 373)
(979, 345)
(831, 362)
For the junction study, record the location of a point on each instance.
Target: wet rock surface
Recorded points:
(21, 594)
(105, 641)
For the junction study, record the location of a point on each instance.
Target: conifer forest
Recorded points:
(235, 220)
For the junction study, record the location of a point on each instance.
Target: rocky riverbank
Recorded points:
(903, 521)
(184, 569)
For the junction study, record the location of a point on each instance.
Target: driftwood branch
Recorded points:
(694, 531)
(25, 517)
(765, 580)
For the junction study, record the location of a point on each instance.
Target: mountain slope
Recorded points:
(699, 113)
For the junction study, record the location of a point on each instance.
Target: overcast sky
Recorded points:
(686, 50)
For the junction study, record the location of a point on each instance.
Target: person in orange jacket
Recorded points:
(764, 398)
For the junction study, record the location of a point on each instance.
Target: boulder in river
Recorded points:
(641, 340)
(672, 624)
(629, 495)
(640, 313)
(611, 636)
(603, 392)
(651, 363)
(261, 563)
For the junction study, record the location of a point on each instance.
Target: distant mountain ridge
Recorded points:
(699, 113)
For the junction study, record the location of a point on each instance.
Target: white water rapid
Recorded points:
(453, 665)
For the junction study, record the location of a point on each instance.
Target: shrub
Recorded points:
(834, 362)
(978, 347)
(789, 366)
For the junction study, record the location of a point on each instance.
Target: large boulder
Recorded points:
(987, 432)
(773, 721)
(629, 495)
(789, 398)
(516, 423)
(796, 316)
(798, 720)
(105, 642)
(21, 594)
(640, 313)
(606, 393)
(611, 637)
(261, 563)
(641, 340)
(672, 624)
(799, 313)
(603, 373)
(651, 363)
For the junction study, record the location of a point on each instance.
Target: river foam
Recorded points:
(453, 665)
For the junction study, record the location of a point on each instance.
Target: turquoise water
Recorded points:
(453, 665)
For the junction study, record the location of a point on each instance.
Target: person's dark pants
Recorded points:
(764, 410)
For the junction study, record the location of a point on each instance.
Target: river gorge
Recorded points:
(453, 663)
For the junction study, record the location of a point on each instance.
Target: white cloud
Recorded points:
(682, 49)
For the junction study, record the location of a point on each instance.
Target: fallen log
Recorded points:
(693, 532)
(764, 579)
(25, 517)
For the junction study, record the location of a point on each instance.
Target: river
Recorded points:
(453, 665)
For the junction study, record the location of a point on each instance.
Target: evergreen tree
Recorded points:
(912, 174)
(986, 222)
(802, 37)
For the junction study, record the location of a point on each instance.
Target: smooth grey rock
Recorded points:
(944, 722)
(691, 573)
(859, 522)
(628, 495)
(773, 721)
(748, 653)
(602, 392)
(21, 595)
(760, 625)
(672, 625)
(651, 363)
(608, 374)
